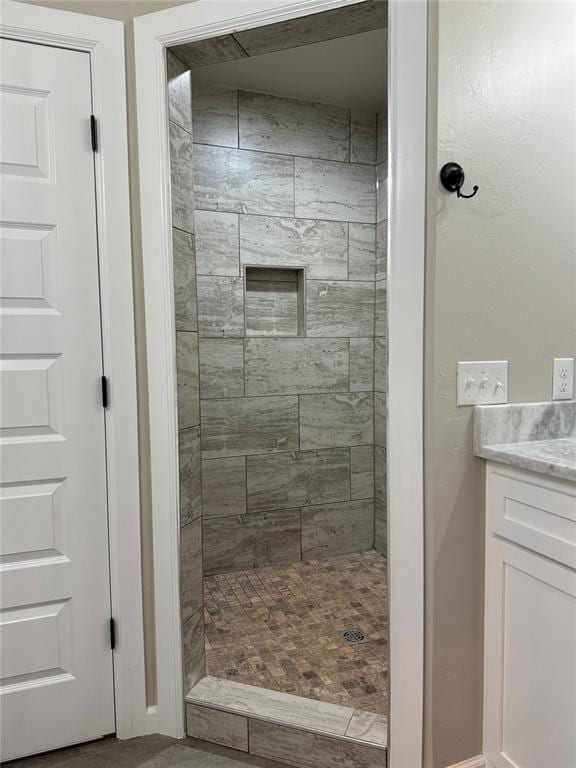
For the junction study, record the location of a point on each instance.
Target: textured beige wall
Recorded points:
(501, 284)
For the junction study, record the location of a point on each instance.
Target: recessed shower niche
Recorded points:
(274, 301)
(279, 216)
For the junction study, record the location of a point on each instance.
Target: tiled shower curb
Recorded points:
(289, 729)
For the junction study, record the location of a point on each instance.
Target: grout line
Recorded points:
(237, 118)
(286, 216)
(296, 266)
(279, 453)
(348, 249)
(288, 509)
(277, 338)
(299, 425)
(285, 395)
(244, 367)
(277, 153)
(246, 486)
(350, 470)
(349, 723)
(294, 181)
(239, 44)
(181, 128)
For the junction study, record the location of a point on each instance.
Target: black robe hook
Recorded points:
(452, 178)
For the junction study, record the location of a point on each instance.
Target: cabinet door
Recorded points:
(530, 660)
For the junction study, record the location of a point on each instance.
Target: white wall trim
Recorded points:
(473, 762)
(407, 68)
(205, 18)
(103, 39)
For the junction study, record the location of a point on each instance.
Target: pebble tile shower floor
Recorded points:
(282, 626)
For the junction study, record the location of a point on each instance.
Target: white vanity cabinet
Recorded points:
(530, 620)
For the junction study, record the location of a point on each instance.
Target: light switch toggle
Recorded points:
(483, 383)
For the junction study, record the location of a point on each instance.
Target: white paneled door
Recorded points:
(56, 684)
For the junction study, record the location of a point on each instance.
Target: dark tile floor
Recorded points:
(281, 627)
(144, 752)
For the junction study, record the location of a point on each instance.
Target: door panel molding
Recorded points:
(103, 40)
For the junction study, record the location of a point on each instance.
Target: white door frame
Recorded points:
(103, 40)
(407, 174)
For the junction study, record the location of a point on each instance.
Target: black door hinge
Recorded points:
(94, 133)
(112, 634)
(105, 392)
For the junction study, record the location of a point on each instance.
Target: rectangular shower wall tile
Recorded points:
(213, 50)
(292, 126)
(215, 114)
(380, 418)
(380, 472)
(369, 727)
(307, 749)
(362, 471)
(251, 541)
(380, 367)
(220, 306)
(218, 727)
(382, 191)
(190, 475)
(340, 308)
(221, 368)
(299, 478)
(337, 191)
(184, 281)
(361, 365)
(382, 137)
(182, 181)
(191, 590)
(381, 250)
(242, 181)
(351, 20)
(187, 379)
(179, 105)
(254, 425)
(292, 366)
(320, 246)
(224, 487)
(381, 311)
(217, 251)
(380, 527)
(335, 529)
(329, 421)
(193, 659)
(362, 136)
(362, 251)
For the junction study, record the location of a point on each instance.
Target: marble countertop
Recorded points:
(540, 437)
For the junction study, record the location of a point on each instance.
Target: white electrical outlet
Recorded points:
(563, 378)
(483, 383)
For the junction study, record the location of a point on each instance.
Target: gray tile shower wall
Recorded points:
(380, 336)
(287, 409)
(187, 370)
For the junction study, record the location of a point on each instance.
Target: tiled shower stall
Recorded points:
(279, 243)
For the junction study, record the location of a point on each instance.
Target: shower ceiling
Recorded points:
(350, 71)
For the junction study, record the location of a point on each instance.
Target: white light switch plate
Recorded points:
(483, 383)
(563, 378)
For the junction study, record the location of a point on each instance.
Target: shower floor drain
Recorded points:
(354, 636)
